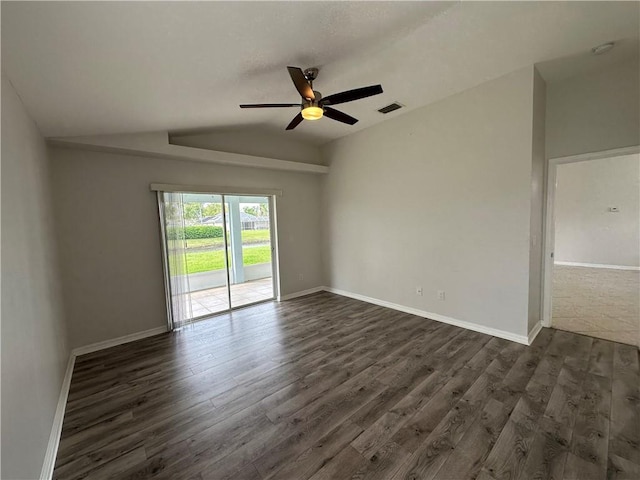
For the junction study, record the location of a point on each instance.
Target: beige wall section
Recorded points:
(586, 231)
(440, 198)
(281, 145)
(110, 241)
(538, 171)
(34, 347)
(594, 112)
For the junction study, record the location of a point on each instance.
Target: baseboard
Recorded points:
(302, 293)
(534, 332)
(56, 429)
(597, 265)
(524, 339)
(94, 347)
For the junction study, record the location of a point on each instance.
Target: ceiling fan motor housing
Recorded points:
(310, 73)
(312, 103)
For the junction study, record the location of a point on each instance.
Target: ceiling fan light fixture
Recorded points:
(312, 113)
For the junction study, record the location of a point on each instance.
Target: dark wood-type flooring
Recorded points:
(325, 387)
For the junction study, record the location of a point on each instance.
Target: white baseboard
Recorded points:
(56, 429)
(301, 293)
(94, 347)
(524, 339)
(534, 332)
(597, 265)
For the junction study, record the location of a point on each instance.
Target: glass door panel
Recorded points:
(205, 261)
(249, 249)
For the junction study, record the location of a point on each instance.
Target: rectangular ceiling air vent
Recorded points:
(390, 108)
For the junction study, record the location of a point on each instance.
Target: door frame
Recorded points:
(549, 227)
(270, 194)
(275, 277)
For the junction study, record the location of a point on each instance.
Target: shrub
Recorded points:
(193, 232)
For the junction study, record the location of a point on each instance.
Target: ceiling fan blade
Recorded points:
(269, 105)
(334, 114)
(301, 83)
(351, 95)
(295, 122)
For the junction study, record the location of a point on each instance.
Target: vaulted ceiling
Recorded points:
(85, 68)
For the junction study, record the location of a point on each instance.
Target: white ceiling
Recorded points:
(85, 68)
(584, 62)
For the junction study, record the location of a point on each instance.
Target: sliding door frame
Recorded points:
(226, 256)
(273, 237)
(270, 194)
(272, 241)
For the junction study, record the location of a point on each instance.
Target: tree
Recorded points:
(259, 210)
(171, 212)
(250, 210)
(211, 209)
(193, 211)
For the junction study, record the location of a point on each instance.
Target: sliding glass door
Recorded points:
(218, 253)
(250, 250)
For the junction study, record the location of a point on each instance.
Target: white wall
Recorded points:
(538, 171)
(110, 242)
(594, 112)
(440, 198)
(34, 347)
(585, 231)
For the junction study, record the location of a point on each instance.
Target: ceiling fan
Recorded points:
(313, 106)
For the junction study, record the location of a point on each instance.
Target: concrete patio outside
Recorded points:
(215, 300)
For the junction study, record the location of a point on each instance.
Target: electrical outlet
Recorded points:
(419, 291)
(441, 295)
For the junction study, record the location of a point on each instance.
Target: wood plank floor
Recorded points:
(325, 387)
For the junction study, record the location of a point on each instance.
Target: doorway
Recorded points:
(592, 261)
(218, 252)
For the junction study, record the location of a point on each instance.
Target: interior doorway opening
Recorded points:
(592, 267)
(219, 253)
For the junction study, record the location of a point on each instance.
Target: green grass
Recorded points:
(248, 237)
(214, 260)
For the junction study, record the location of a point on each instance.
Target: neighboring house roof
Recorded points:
(244, 218)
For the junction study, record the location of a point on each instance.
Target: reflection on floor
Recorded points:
(599, 302)
(214, 300)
